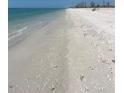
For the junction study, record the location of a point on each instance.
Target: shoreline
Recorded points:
(73, 53)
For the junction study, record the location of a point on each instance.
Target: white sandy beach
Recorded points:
(73, 54)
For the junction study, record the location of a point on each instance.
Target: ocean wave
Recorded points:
(17, 33)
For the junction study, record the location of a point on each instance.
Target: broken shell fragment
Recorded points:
(81, 77)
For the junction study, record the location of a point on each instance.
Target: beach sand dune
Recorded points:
(72, 54)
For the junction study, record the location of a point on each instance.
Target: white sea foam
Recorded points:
(17, 33)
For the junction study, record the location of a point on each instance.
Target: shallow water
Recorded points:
(21, 21)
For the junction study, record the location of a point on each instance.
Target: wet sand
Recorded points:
(73, 54)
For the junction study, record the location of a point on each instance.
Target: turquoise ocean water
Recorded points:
(20, 17)
(24, 20)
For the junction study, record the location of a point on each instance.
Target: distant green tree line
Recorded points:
(93, 4)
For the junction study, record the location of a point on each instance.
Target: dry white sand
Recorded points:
(73, 54)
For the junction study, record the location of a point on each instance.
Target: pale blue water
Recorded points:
(19, 17)
(22, 21)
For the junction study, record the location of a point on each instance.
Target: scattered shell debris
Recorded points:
(111, 72)
(11, 86)
(52, 88)
(103, 61)
(28, 86)
(110, 49)
(55, 66)
(108, 76)
(91, 68)
(27, 80)
(101, 89)
(110, 79)
(85, 34)
(86, 89)
(16, 86)
(113, 60)
(38, 76)
(81, 77)
(110, 68)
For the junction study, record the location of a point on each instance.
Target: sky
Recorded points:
(48, 3)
